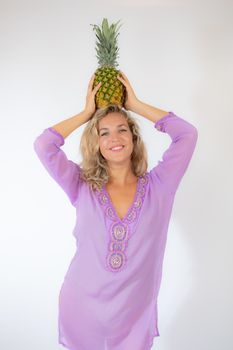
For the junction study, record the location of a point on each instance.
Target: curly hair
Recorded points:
(94, 166)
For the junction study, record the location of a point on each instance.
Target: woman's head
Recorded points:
(109, 127)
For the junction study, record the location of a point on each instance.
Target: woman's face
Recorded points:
(114, 131)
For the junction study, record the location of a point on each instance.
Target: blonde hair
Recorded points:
(93, 164)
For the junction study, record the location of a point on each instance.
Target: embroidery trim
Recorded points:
(120, 231)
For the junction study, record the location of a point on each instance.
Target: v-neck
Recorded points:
(131, 205)
(120, 230)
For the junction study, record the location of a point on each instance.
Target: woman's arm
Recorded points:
(175, 160)
(64, 171)
(48, 147)
(67, 126)
(135, 105)
(169, 172)
(152, 113)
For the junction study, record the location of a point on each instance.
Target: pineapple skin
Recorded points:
(111, 91)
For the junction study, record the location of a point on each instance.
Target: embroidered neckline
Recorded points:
(110, 203)
(120, 230)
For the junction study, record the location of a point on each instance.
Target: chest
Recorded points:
(122, 198)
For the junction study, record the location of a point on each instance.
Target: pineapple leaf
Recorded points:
(106, 43)
(105, 27)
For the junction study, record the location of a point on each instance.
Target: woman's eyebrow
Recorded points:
(117, 126)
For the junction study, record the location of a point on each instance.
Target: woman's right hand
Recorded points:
(90, 106)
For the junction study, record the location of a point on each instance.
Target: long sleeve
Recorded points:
(175, 160)
(64, 171)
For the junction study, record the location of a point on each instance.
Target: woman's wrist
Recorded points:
(148, 111)
(137, 106)
(86, 114)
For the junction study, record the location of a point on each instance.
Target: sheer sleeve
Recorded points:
(64, 171)
(175, 160)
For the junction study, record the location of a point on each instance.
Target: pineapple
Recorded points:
(111, 91)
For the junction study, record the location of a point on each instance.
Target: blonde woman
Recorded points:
(108, 300)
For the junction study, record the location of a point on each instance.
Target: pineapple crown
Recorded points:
(106, 43)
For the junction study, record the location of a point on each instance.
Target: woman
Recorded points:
(108, 300)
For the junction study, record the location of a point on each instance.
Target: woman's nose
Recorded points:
(114, 136)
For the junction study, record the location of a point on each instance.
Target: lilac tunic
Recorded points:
(108, 300)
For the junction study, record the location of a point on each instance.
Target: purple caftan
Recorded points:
(108, 300)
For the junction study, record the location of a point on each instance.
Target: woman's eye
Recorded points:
(106, 132)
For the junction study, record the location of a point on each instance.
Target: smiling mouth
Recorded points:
(117, 149)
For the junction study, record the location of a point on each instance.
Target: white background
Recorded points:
(178, 57)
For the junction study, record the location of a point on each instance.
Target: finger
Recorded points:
(120, 71)
(97, 87)
(124, 76)
(122, 80)
(90, 89)
(91, 81)
(92, 78)
(120, 75)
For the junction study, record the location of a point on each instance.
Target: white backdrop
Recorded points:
(178, 56)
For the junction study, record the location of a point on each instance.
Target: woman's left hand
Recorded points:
(131, 99)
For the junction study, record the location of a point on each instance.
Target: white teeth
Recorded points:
(116, 148)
